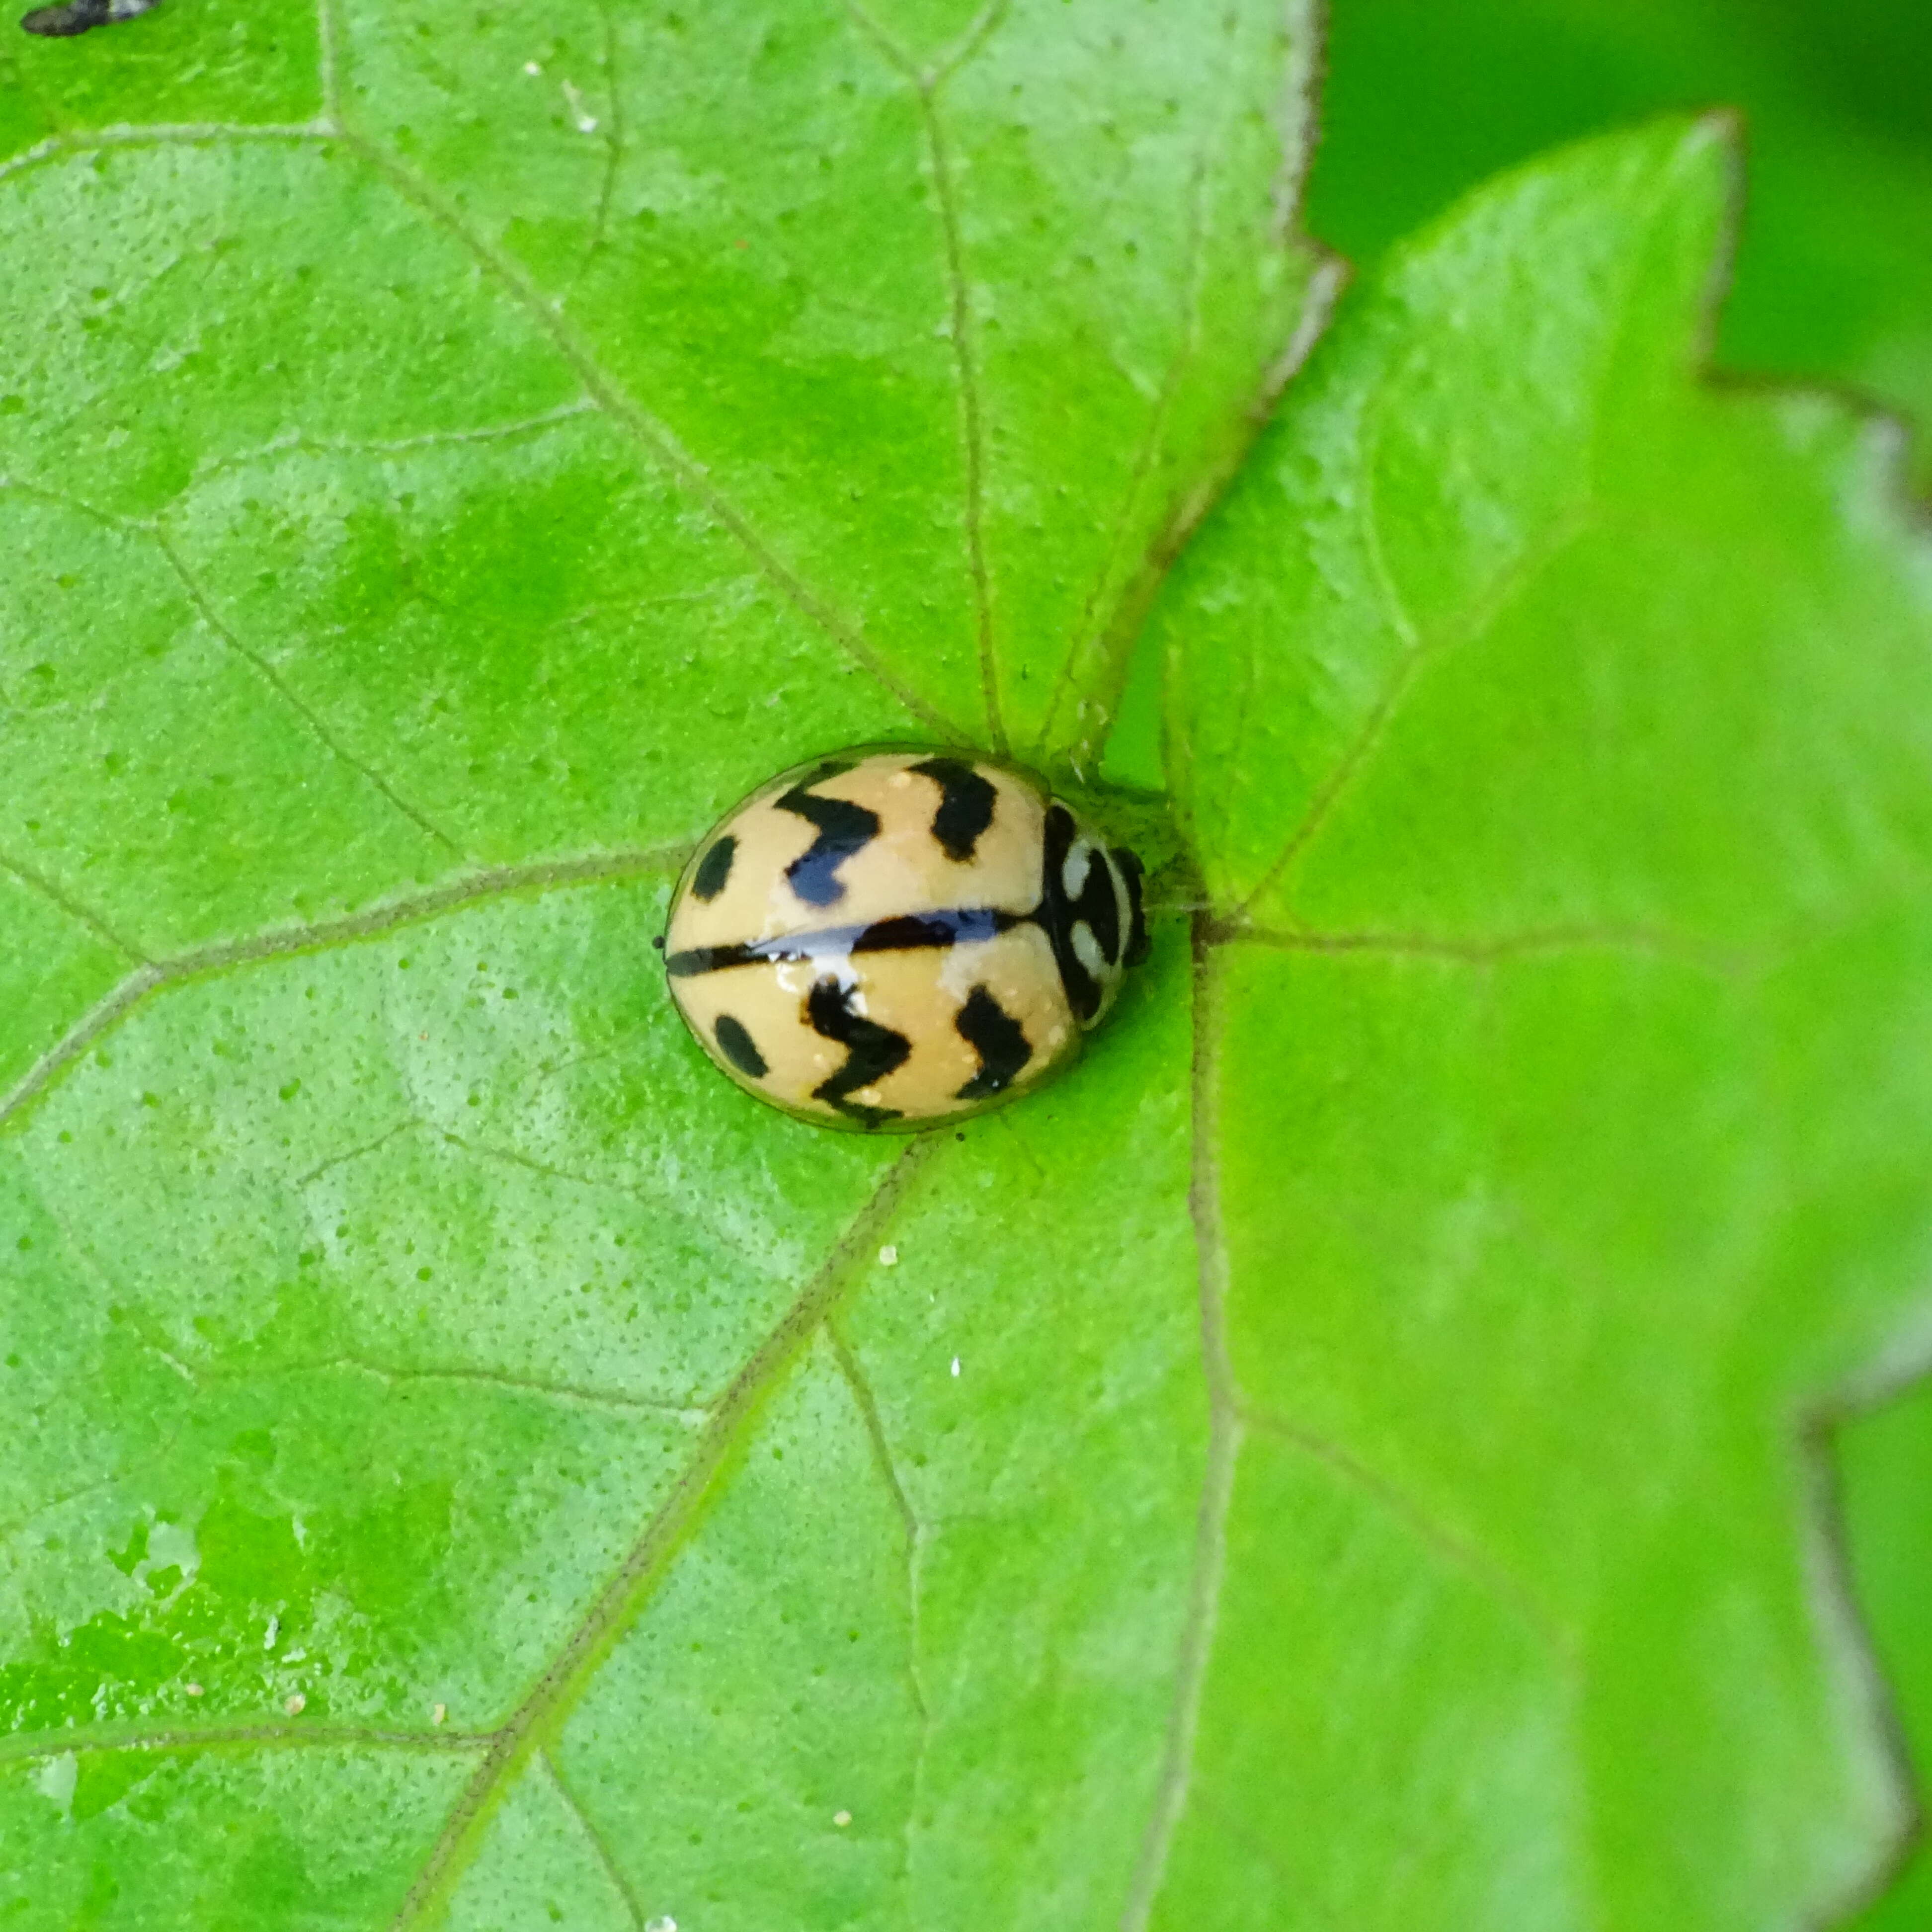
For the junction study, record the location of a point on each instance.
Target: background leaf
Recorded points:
(1426, 97)
(1886, 1461)
(1568, 866)
(1832, 282)
(1335, 1457)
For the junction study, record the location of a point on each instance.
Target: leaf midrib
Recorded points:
(535, 1723)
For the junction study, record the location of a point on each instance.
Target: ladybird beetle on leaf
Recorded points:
(894, 938)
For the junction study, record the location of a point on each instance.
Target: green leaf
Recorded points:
(1334, 1458)
(1834, 281)
(1547, 727)
(1885, 1465)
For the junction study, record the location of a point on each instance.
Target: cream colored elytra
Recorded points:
(891, 937)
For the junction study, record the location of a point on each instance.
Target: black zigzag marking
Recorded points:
(966, 802)
(714, 870)
(844, 830)
(873, 1052)
(997, 1038)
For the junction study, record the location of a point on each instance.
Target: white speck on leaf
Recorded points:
(438, 1712)
(889, 1256)
(294, 1705)
(171, 1546)
(57, 1777)
(587, 124)
(531, 68)
(955, 1365)
(842, 1819)
(666, 1925)
(193, 1689)
(274, 1630)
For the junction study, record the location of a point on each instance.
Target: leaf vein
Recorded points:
(307, 1178)
(327, 77)
(1493, 949)
(926, 85)
(1418, 651)
(57, 896)
(530, 1385)
(159, 134)
(970, 44)
(752, 1257)
(972, 424)
(856, 1381)
(1111, 637)
(556, 1692)
(599, 1845)
(613, 145)
(1224, 1435)
(470, 890)
(654, 436)
(1460, 1551)
(298, 441)
(293, 699)
(32, 1744)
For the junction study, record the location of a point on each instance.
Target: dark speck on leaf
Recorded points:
(659, 942)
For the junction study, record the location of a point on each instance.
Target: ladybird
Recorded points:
(896, 938)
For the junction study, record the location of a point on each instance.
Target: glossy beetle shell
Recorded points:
(891, 937)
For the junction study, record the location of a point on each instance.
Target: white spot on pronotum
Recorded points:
(585, 122)
(1073, 872)
(1087, 950)
(889, 1256)
(294, 1705)
(955, 1365)
(842, 1819)
(56, 1778)
(437, 1712)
